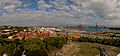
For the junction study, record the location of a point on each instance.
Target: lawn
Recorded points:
(87, 50)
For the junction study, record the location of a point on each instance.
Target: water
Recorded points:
(94, 29)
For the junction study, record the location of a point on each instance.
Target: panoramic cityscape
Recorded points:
(59, 27)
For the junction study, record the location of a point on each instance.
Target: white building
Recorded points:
(10, 37)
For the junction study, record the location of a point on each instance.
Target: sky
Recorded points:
(59, 12)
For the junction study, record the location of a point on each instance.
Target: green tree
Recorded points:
(4, 36)
(9, 49)
(54, 42)
(34, 47)
(1, 50)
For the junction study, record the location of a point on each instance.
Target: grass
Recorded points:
(87, 50)
(115, 49)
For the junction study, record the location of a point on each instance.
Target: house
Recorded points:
(73, 36)
(10, 37)
(6, 39)
(7, 30)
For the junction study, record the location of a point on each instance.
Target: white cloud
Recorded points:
(109, 10)
(10, 1)
(42, 5)
(10, 8)
(106, 9)
(41, 18)
(12, 4)
(75, 8)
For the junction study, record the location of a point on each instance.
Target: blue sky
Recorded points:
(45, 12)
(32, 5)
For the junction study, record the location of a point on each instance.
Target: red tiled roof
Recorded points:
(6, 39)
(74, 36)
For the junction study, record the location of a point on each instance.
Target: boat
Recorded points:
(114, 28)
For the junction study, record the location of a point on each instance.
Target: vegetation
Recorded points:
(38, 47)
(4, 36)
(33, 47)
(113, 42)
(87, 50)
(52, 43)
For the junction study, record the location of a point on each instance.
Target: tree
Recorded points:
(54, 42)
(9, 49)
(2, 41)
(74, 39)
(18, 50)
(1, 50)
(4, 36)
(34, 47)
